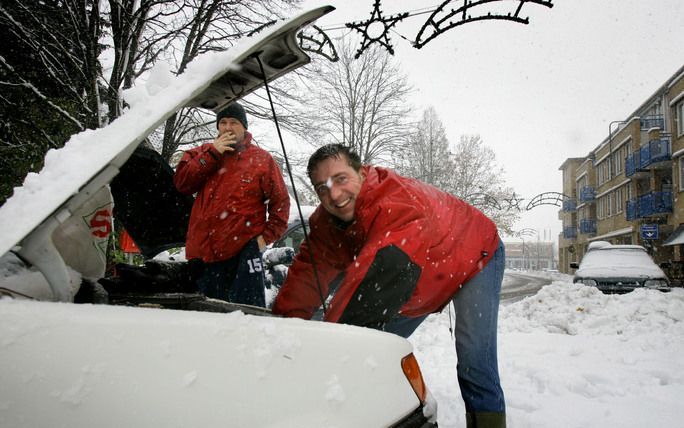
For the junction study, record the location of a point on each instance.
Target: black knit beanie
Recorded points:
(235, 111)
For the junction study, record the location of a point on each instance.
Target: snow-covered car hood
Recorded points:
(112, 366)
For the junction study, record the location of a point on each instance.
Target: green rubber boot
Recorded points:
(486, 420)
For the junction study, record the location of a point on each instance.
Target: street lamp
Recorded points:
(521, 234)
(523, 253)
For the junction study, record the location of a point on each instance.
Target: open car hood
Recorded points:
(146, 202)
(93, 158)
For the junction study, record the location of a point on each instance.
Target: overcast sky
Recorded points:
(537, 93)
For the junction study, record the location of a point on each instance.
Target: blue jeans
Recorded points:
(237, 280)
(477, 310)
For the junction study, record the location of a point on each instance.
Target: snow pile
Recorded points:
(577, 309)
(571, 356)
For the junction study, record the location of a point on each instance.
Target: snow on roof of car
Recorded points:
(618, 261)
(307, 210)
(597, 244)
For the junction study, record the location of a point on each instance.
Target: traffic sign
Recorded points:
(649, 231)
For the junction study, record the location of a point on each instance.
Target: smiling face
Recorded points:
(337, 185)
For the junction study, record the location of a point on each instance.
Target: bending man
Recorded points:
(391, 250)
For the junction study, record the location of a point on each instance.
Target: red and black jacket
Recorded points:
(234, 192)
(409, 249)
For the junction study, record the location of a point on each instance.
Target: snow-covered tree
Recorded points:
(426, 155)
(478, 180)
(467, 171)
(362, 103)
(64, 64)
(48, 74)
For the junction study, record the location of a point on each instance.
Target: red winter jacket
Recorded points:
(409, 249)
(234, 190)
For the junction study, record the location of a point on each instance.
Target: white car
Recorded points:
(618, 269)
(136, 363)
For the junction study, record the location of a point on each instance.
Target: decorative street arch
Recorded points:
(548, 198)
(442, 20)
(318, 43)
(483, 200)
(446, 16)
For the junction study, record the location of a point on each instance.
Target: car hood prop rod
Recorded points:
(292, 182)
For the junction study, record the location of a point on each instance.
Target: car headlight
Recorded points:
(589, 282)
(655, 283)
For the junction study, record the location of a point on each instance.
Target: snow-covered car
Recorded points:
(618, 269)
(280, 255)
(136, 363)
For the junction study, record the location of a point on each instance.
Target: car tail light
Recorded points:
(411, 369)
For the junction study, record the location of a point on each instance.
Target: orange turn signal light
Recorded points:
(411, 369)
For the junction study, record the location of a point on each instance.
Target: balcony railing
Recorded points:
(655, 121)
(632, 210)
(570, 205)
(649, 204)
(631, 164)
(569, 232)
(654, 203)
(587, 225)
(657, 150)
(587, 194)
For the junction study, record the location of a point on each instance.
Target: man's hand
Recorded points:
(225, 142)
(262, 243)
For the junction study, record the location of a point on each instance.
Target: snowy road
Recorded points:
(571, 354)
(517, 285)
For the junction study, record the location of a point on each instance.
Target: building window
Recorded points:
(679, 115)
(618, 160)
(609, 204)
(606, 169)
(681, 174)
(581, 183)
(619, 201)
(600, 173)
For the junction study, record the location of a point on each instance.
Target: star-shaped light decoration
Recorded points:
(383, 38)
(514, 202)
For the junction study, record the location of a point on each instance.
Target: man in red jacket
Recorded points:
(390, 250)
(236, 184)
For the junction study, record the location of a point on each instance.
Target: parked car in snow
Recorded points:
(134, 362)
(617, 269)
(280, 255)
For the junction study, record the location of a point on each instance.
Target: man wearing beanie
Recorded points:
(237, 185)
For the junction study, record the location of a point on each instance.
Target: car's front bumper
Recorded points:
(620, 289)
